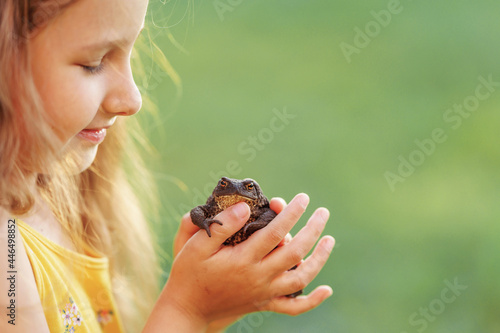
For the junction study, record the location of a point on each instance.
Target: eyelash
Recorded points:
(93, 69)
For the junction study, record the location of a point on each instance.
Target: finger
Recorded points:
(297, 279)
(287, 256)
(286, 240)
(232, 220)
(266, 239)
(277, 204)
(298, 305)
(186, 230)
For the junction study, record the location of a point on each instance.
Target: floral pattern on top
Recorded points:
(71, 317)
(104, 317)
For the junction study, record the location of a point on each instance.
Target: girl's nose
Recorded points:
(123, 98)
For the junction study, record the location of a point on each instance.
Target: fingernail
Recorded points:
(303, 200)
(325, 214)
(240, 210)
(329, 243)
(330, 292)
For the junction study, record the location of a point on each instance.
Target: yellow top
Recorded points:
(75, 289)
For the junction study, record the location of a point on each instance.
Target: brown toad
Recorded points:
(231, 191)
(227, 193)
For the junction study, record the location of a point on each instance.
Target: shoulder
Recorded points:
(20, 303)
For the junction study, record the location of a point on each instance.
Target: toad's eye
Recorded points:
(250, 186)
(223, 183)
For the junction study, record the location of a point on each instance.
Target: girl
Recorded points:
(81, 257)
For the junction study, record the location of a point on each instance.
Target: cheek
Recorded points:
(67, 98)
(69, 106)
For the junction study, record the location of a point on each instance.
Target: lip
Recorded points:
(93, 135)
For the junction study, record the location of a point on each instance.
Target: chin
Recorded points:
(87, 159)
(79, 157)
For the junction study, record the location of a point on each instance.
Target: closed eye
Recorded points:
(93, 69)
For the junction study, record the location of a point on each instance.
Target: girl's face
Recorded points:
(81, 67)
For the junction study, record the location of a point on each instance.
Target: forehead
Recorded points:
(90, 21)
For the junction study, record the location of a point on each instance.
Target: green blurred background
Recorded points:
(355, 118)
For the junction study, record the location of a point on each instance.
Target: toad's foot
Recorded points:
(252, 227)
(206, 225)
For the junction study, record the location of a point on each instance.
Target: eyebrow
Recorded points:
(108, 44)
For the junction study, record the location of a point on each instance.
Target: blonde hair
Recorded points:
(99, 207)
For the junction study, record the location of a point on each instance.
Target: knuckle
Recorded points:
(275, 235)
(311, 267)
(264, 305)
(313, 230)
(295, 213)
(298, 282)
(240, 270)
(317, 262)
(317, 230)
(296, 254)
(243, 270)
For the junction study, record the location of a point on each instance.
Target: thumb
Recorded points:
(232, 220)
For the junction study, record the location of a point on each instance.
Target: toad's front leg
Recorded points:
(260, 222)
(198, 216)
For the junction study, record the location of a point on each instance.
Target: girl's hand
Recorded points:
(209, 281)
(187, 229)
